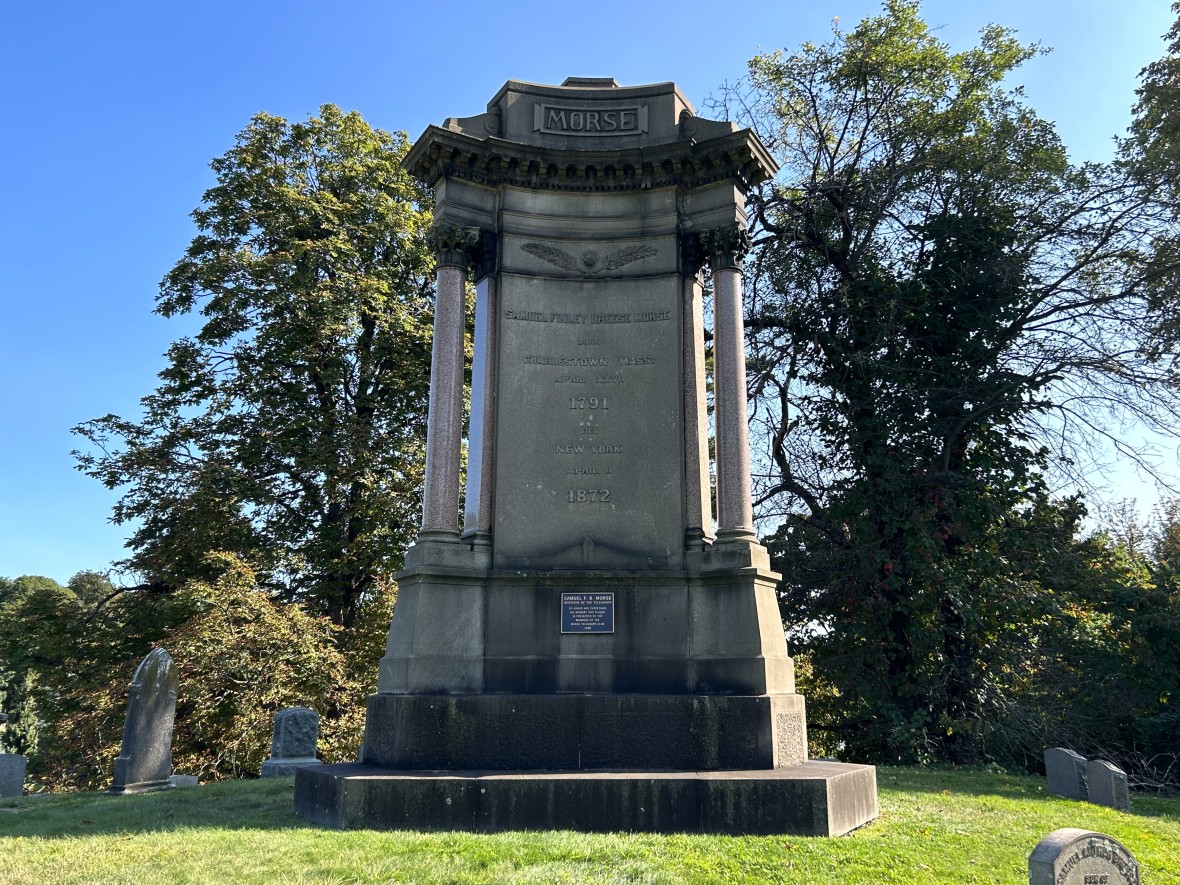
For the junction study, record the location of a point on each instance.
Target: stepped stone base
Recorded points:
(811, 799)
(515, 732)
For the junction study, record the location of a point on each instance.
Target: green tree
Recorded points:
(289, 429)
(1154, 139)
(941, 308)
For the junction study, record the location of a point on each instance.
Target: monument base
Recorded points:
(811, 799)
(286, 767)
(146, 787)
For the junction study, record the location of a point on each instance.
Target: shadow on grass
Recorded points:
(232, 805)
(268, 804)
(1007, 786)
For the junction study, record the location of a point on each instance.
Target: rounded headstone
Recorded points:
(1080, 857)
(145, 756)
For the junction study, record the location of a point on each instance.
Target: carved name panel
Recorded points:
(589, 433)
(602, 119)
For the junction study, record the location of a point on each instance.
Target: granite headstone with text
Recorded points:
(1080, 857)
(593, 613)
(144, 763)
(293, 741)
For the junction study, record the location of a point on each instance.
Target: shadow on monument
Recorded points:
(594, 648)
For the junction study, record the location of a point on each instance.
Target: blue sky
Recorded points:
(113, 111)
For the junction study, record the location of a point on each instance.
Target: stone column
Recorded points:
(477, 516)
(698, 508)
(726, 247)
(444, 428)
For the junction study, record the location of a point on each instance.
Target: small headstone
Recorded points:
(293, 743)
(12, 775)
(1081, 857)
(144, 763)
(183, 780)
(1066, 771)
(1107, 785)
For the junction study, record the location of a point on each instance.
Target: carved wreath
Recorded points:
(592, 263)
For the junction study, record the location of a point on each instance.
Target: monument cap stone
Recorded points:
(1080, 857)
(144, 763)
(1066, 773)
(293, 741)
(1106, 784)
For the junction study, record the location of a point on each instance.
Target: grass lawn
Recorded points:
(935, 826)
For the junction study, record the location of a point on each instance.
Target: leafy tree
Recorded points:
(1154, 139)
(58, 648)
(942, 308)
(289, 430)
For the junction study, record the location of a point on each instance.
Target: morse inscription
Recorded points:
(554, 119)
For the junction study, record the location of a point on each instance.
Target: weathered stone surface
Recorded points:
(144, 763)
(1080, 857)
(590, 213)
(12, 775)
(296, 732)
(813, 799)
(1066, 773)
(573, 732)
(293, 741)
(1106, 784)
(183, 781)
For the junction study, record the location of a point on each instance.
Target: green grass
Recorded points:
(935, 826)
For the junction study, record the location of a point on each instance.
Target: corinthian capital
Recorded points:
(453, 245)
(726, 246)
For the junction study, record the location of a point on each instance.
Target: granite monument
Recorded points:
(1066, 772)
(1080, 857)
(12, 775)
(292, 742)
(1106, 784)
(593, 646)
(144, 763)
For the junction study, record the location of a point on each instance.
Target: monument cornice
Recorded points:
(492, 162)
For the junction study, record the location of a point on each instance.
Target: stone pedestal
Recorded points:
(594, 650)
(812, 799)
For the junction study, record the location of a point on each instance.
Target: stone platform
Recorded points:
(811, 799)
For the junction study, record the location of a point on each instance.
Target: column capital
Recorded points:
(453, 245)
(726, 246)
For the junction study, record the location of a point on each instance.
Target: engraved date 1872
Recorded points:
(588, 496)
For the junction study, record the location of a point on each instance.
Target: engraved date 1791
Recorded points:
(588, 402)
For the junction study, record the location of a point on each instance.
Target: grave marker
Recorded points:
(293, 741)
(12, 775)
(144, 763)
(1106, 784)
(1066, 773)
(1081, 857)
